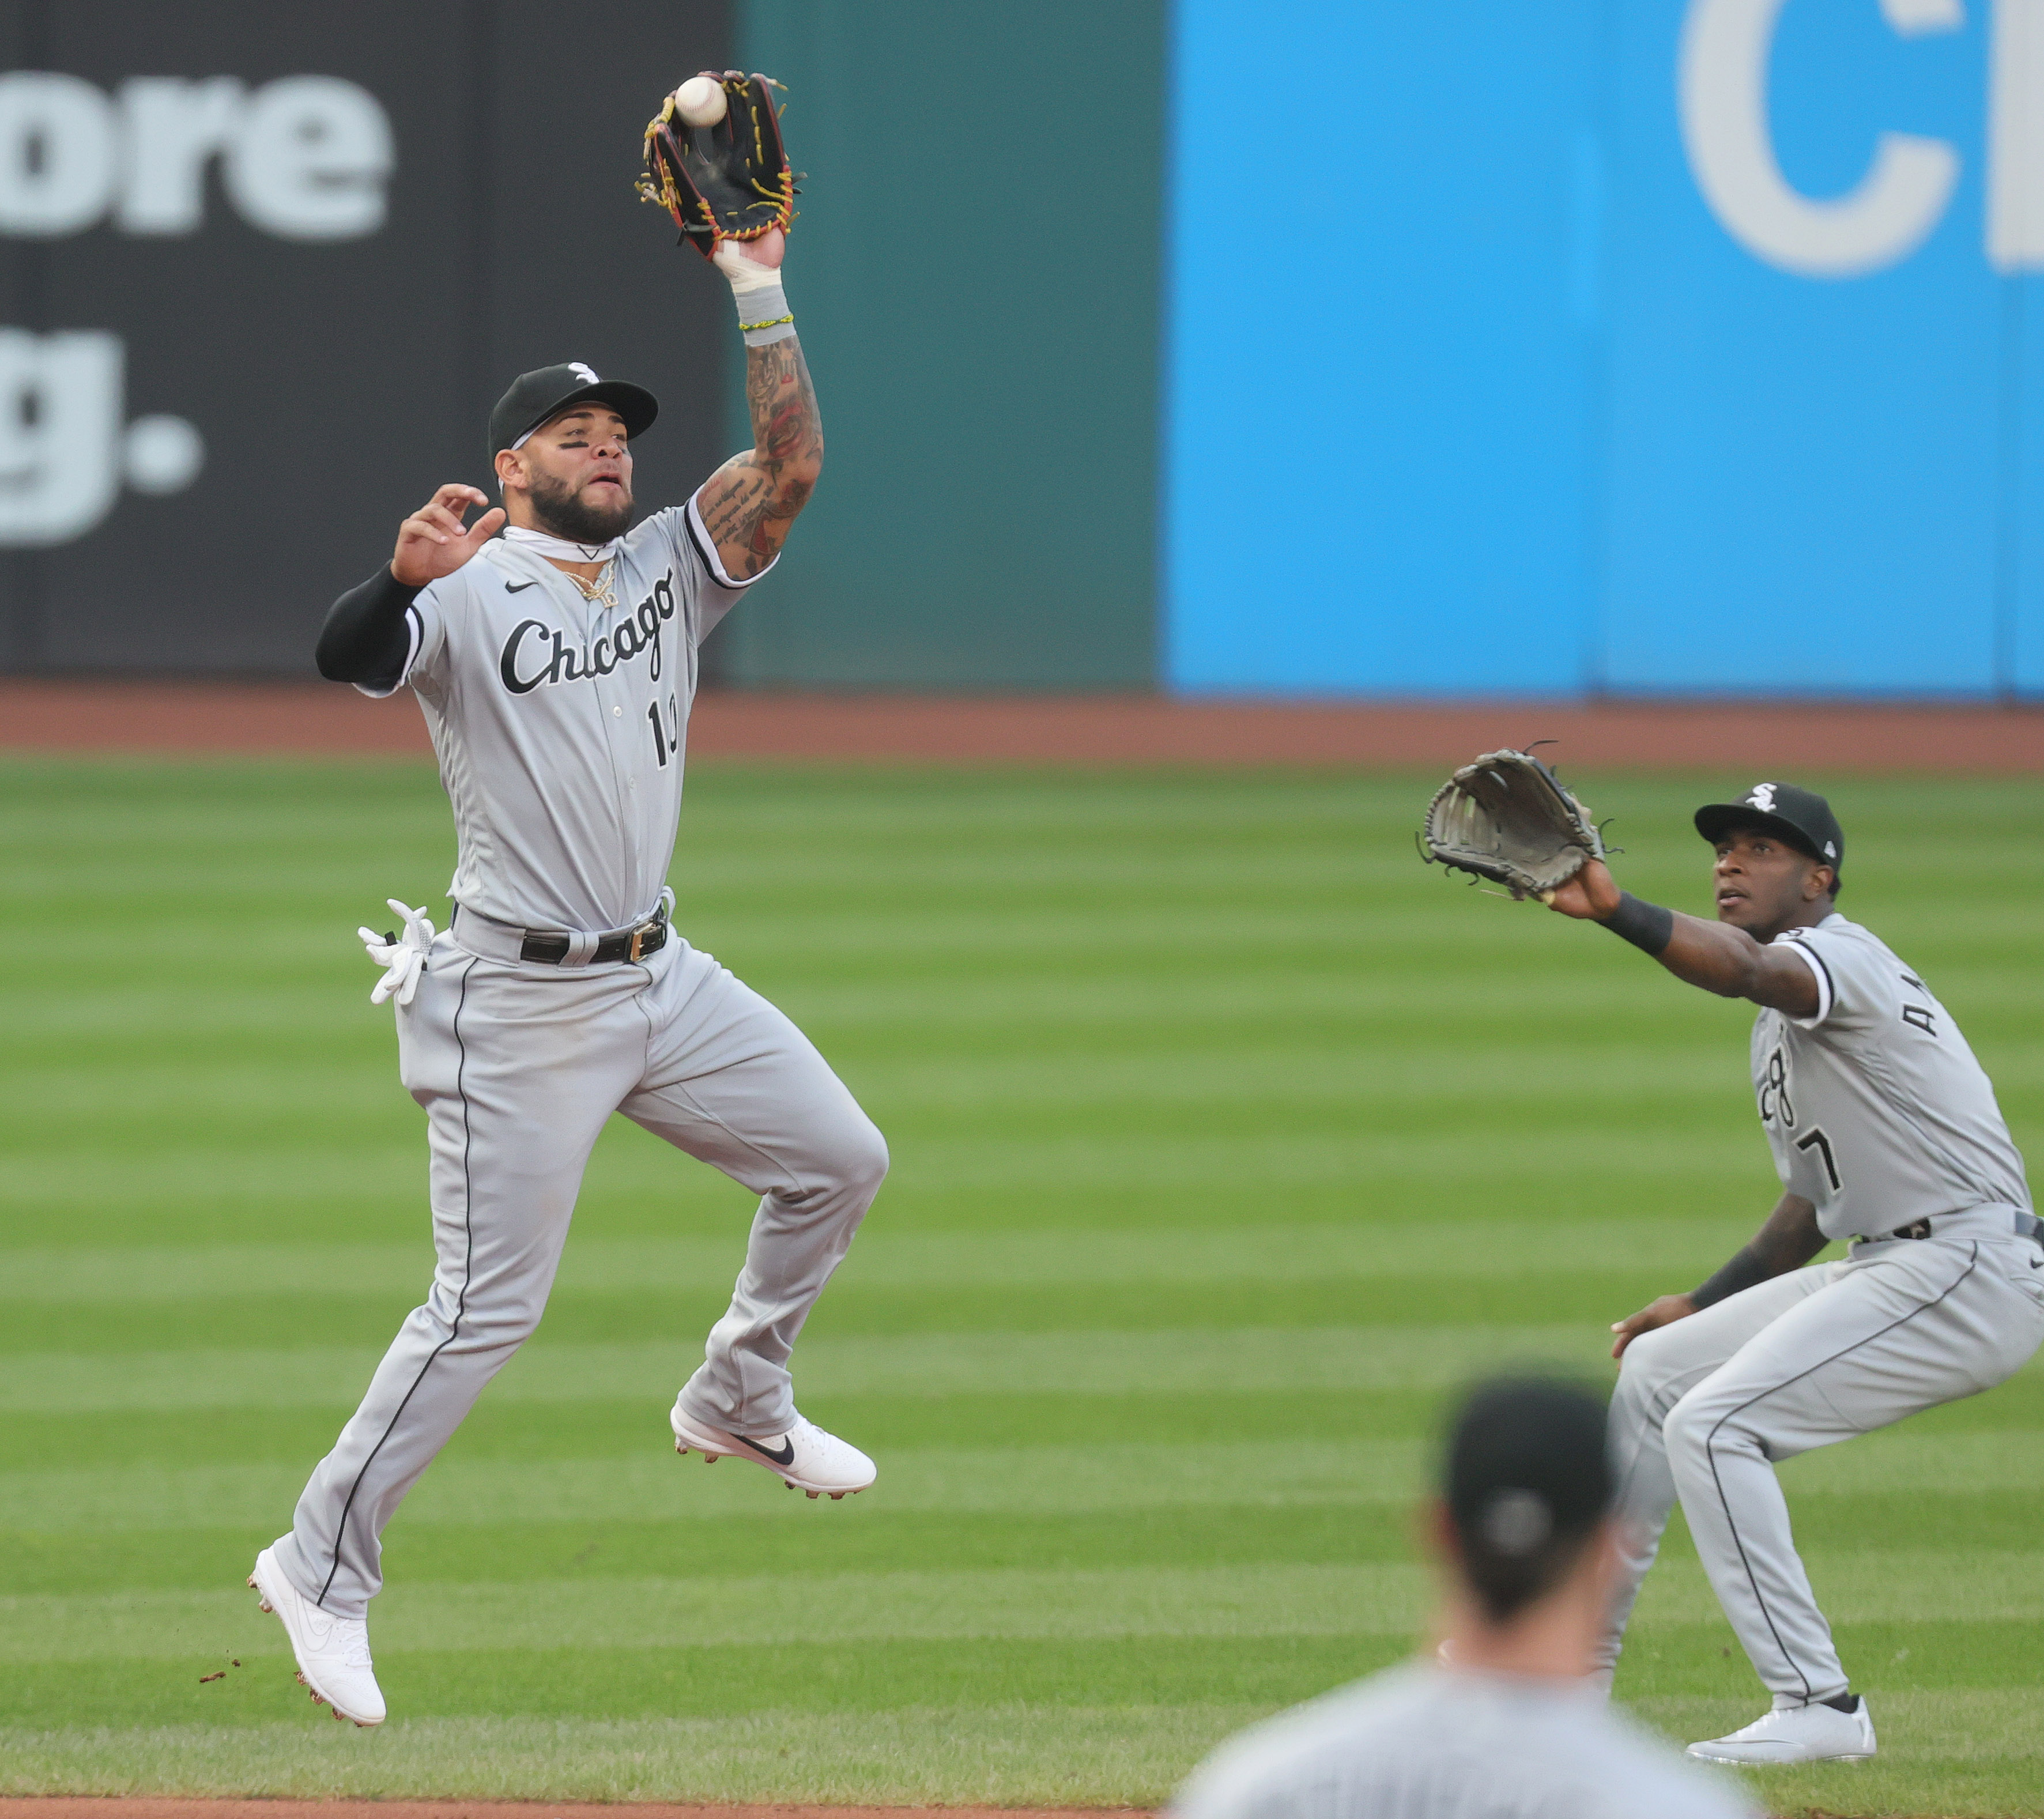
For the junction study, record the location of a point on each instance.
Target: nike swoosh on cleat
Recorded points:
(519, 587)
(784, 1456)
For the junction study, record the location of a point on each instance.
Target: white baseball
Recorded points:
(700, 101)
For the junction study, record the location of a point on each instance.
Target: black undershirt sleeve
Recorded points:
(366, 636)
(1742, 1272)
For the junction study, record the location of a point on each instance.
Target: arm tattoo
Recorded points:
(753, 499)
(785, 423)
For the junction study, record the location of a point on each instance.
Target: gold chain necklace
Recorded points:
(597, 593)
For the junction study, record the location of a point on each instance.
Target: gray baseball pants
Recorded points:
(518, 1066)
(1704, 1405)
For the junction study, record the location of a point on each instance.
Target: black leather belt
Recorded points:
(1915, 1229)
(2027, 1226)
(648, 938)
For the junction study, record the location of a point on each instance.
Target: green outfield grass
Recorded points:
(1228, 1139)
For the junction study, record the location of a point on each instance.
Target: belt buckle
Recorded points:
(656, 924)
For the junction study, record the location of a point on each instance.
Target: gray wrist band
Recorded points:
(1648, 927)
(763, 314)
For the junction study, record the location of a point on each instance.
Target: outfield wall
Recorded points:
(1626, 347)
(1629, 347)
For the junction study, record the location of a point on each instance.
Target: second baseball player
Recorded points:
(1885, 1133)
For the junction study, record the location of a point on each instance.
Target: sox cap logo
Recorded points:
(1763, 797)
(586, 374)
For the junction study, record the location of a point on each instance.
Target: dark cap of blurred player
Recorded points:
(1505, 1718)
(1521, 1526)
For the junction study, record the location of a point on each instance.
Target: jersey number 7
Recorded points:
(1818, 1141)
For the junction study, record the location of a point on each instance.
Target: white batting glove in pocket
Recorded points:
(402, 956)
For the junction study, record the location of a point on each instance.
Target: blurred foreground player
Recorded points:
(556, 667)
(1885, 1132)
(1507, 1722)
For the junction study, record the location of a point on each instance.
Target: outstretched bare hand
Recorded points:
(1590, 895)
(1660, 1312)
(432, 543)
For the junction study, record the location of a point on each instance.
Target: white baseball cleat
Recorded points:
(332, 1652)
(805, 1458)
(1796, 1733)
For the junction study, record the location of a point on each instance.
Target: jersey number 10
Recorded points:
(666, 739)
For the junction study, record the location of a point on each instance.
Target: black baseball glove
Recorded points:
(729, 181)
(1506, 817)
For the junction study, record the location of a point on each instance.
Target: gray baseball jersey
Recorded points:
(1427, 1742)
(560, 723)
(1877, 1111)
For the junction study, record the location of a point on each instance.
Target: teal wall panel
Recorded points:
(975, 274)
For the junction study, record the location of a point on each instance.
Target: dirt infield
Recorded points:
(87, 1807)
(311, 718)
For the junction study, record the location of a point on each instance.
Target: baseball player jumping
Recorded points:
(1885, 1132)
(555, 666)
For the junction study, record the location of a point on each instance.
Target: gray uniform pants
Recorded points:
(518, 1066)
(1817, 1355)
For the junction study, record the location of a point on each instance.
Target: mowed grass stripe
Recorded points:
(929, 1755)
(654, 1486)
(1257, 1165)
(1965, 1742)
(657, 1486)
(1319, 1074)
(1383, 1598)
(1361, 1249)
(1410, 1009)
(1378, 1599)
(1141, 1005)
(1277, 1359)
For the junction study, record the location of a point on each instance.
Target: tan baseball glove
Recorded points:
(1506, 817)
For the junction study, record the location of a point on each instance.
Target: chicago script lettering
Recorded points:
(536, 654)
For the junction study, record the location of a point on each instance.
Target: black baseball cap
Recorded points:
(1799, 816)
(1527, 1478)
(534, 397)
(1526, 1458)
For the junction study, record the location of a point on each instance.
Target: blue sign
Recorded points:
(1665, 346)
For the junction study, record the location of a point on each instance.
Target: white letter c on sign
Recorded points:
(1722, 90)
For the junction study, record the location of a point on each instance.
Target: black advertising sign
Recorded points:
(263, 269)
